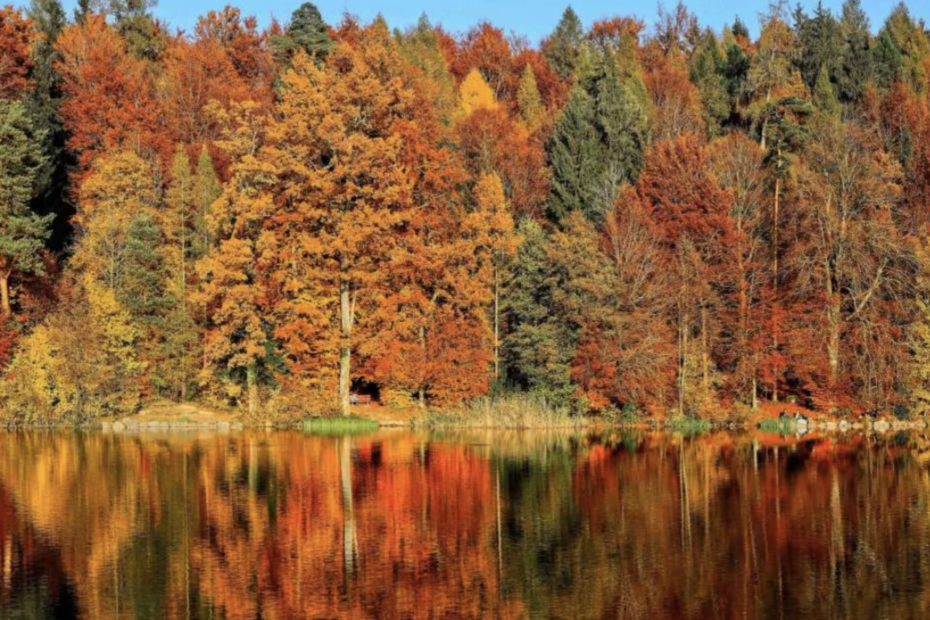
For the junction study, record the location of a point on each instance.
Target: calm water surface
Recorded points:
(281, 525)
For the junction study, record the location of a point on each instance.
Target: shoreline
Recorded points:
(233, 425)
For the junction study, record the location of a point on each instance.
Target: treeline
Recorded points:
(624, 218)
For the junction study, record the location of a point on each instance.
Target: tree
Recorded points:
(108, 102)
(177, 220)
(344, 193)
(119, 189)
(597, 143)
(16, 40)
(693, 215)
(532, 110)
(22, 232)
(850, 188)
(564, 44)
(236, 339)
(476, 94)
(49, 19)
(306, 31)
(541, 338)
(855, 67)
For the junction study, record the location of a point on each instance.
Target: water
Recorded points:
(281, 525)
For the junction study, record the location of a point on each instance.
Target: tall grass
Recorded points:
(512, 411)
(778, 425)
(339, 426)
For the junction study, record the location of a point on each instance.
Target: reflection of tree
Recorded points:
(282, 525)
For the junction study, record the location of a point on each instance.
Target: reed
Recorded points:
(512, 411)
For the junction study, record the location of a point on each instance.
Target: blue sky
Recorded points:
(533, 18)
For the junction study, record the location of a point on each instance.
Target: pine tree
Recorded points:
(49, 19)
(855, 65)
(597, 143)
(22, 232)
(824, 95)
(564, 44)
(307, 31)
(575, 153)
(540, 340)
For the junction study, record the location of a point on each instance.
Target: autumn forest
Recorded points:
(627, 218)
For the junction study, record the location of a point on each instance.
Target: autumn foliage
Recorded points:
(656, 220)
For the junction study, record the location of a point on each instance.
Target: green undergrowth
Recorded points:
(339, 426)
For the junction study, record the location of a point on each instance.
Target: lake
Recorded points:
(282, 525)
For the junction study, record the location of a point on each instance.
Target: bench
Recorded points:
(360, 399)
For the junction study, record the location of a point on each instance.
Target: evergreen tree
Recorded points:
(306, 31)
(137, 27)
(598, 143)
(824, 96)
(563, 46)
(575, 155)
(48, 18)
(22, 231)
(540, 343)
(819, 44)
(855, 63)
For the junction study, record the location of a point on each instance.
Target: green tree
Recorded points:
(855, 63)
(306, 31)
(49, 19)
(824, 95)
(597, 143)
(819, 44)
(22, 231)
(563, 46)
(540, 342)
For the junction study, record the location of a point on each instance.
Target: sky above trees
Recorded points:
(534, 19)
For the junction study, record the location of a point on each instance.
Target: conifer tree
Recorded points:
(564, 44)
(22, 232)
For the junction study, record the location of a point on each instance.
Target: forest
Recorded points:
(622, 219)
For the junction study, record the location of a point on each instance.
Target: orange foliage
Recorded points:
(16, 38)
(109, 100)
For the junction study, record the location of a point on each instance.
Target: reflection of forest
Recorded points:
(279, 525)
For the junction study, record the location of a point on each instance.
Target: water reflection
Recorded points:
(401, 525)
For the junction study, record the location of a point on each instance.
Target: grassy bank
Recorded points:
(339, 426)
(518, 411)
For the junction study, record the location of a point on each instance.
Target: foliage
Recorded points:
(666, 221)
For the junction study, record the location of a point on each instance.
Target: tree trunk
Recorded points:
(497, 327)
(5, 309)
(705, 351)
(775, 344)
(251, 375)
(345, 355)
(682, 358)
(833, 349)
(421, 392)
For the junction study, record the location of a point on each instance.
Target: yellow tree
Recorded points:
(120, 188)
(493, 228)
(230, 275)
(343, 194)
(476, 94)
